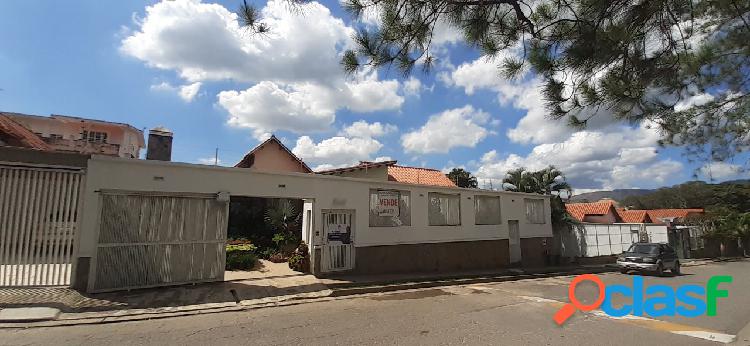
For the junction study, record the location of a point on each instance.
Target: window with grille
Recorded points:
(94, 136)
(444, 209)
(534, 210)
(487, 210)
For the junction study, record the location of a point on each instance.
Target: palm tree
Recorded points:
(549, 181)
(516, 180)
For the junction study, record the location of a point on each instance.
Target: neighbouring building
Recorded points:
(351, 225)
(13, 134)
(390, 171)
(608, 230)
(79, 135)
(603, 211)
(273, 156)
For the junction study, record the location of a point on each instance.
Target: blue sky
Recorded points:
(185, 65)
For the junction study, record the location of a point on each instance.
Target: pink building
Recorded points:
(273, 156)
(85, 136)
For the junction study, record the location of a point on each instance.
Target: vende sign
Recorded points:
(388, 203)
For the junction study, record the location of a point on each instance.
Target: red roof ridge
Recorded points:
(423, 168)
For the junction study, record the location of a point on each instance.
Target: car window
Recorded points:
(649, 249)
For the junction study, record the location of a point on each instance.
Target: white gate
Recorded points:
(148, 240)
(338, 247)
(38, 222)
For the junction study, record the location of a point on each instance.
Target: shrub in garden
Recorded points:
(300, 260)
(277, 258)
(241, 257)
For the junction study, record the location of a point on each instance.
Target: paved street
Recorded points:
(496, 313)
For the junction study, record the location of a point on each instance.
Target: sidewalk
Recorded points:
(274, 285)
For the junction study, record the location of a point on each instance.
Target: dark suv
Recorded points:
(650, 257)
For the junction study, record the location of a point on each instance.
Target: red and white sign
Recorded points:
(388, 203)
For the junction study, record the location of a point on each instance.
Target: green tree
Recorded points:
(548, 181)
(462, 178)
(517, 180)
(678, 65)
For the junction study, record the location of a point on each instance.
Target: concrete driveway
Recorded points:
(518, 312)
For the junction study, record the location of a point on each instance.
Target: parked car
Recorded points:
(649, 257)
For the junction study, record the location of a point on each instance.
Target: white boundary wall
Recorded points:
(326, 192)
(592, 240)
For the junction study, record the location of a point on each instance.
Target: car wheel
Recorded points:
(660, 270)
(676, 269)
(624, 271)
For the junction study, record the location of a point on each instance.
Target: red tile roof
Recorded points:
(580, 210)
(634, 216)
(420, 176)
(401, 174)
(15, 134)
(657, 214)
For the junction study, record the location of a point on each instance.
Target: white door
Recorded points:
(338, 239)
(514, 241)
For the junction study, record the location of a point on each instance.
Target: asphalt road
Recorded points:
(492, 313)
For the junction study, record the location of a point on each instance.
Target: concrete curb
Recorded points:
(335, 291)
(338, 291)
(348, 289)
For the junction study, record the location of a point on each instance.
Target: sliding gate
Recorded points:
(157, 239)
(39, 208)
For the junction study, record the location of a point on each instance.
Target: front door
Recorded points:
(338, 242)
(514, 241)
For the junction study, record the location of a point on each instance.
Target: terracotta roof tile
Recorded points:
(580, 210)
(634, 216)
(657, 214)
(17, 135)
(420, 176)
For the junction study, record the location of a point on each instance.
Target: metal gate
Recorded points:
(38, 223)
(338, 248)
(148, 240)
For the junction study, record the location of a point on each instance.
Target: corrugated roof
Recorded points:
(420, 176)
(19, 134)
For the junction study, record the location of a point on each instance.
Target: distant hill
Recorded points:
(620, 194)
(617, 195)
(738, 181)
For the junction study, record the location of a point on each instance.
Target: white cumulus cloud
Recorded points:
(335, 151)
(295, 66)
(363, 129)
(459, 127)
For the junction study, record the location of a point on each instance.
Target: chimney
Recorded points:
(159, 144)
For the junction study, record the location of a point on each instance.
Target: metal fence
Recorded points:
(155, 240)
(39, 208)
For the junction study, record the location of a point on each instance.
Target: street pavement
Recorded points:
(518, 312)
